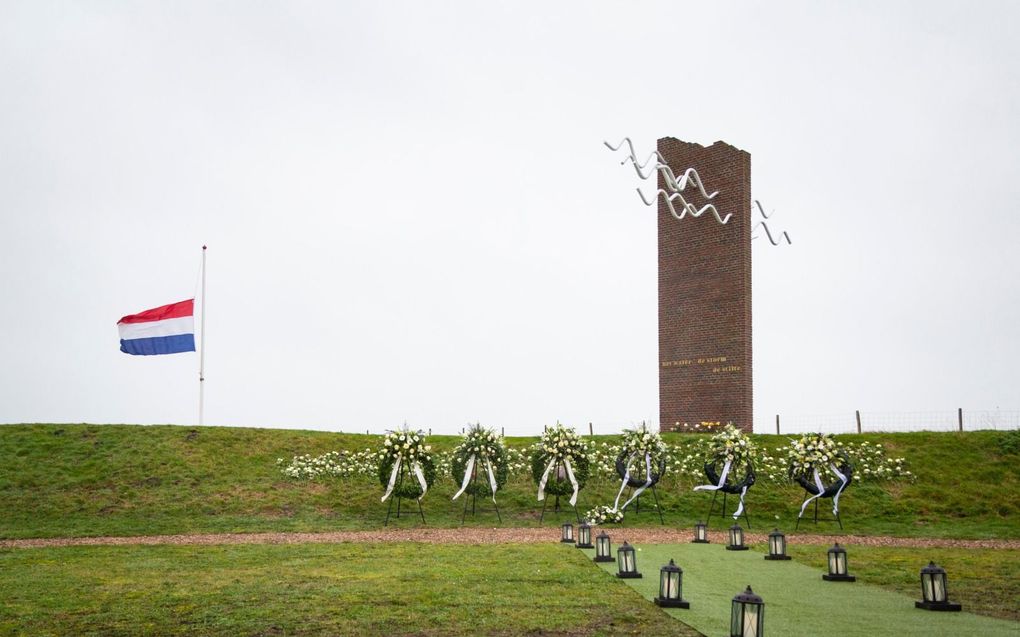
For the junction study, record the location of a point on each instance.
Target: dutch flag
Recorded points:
(163, 330)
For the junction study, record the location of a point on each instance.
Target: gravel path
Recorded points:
(474, 535)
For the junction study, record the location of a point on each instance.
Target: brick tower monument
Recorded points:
(705, 291)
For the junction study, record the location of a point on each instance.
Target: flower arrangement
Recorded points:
(732, 445)
(603, 514)
(635, 445)
(561, 444)
(815, 451)
(410, 448)
(485, 445)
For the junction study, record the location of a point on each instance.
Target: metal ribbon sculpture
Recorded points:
(676, 186)
(768, 233)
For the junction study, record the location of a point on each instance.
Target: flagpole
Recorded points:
(201, 349)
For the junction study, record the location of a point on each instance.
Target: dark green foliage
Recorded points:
(555, 485)
(408, 487)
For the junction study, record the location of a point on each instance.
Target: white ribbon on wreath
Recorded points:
(626, 479)
(469, 472)
(821, 489)
(570, 475)
(722, 483)
(415, 469)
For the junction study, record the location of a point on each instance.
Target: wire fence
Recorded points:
(894, 421)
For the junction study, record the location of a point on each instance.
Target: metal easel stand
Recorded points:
(722, 513)
(474, 495)
(835, 518)
(658, 507)
(394, 496)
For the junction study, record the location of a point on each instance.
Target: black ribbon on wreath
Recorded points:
(818, 490)
(639, 481)
(726, 483)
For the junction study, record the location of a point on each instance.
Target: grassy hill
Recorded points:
(84, 480)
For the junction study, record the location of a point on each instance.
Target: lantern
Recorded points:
(934, 595)
(671, 582)
(567, 534)
(736, 539)
(626, 562)
(700, 533)
(603, 551)
(746, 615)
(837, 566)
(777, 546)
(584, 536)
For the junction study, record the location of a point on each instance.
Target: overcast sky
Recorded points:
(411, 216)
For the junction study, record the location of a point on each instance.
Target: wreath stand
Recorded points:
(556, 507)
(474, 495)
(395, 496)
(835, 518)
(727, 489)
(722, 512)
(830, 492)
(637, 503)
(634, 483)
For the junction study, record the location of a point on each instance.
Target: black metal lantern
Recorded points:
(934, 595)
(700, 533)
(603, 548)
(626, 562)
(736, 539)
(584, 536)
(671, 587)
(777, 546)
(837, 566)
(747, 615)
(567, 534)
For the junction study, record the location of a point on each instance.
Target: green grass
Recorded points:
(86, 480)
(340, 589)
(798, 603)
(985, 581)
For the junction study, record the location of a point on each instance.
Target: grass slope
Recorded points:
(84, 480)
(305, 590)
(798, 603)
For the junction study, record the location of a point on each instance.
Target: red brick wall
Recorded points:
(705, 292)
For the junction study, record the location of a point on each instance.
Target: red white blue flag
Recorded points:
(163, 330)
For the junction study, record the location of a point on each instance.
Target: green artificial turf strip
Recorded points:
(318, 589)
(797, 601)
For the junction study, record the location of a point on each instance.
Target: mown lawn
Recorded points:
(305, 590)
(87, 480)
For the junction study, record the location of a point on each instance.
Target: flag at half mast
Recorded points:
(169, 329)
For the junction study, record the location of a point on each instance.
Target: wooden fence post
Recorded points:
(858, 412)
(960, 415)
(502, 432)
(777, 424)
(591, 431)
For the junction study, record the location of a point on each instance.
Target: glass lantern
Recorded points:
(837, 566)
(626, 562)
(567, 535)
(671, 583)
(700, 533)
(747, 615)
(777, 546)
(603, 548)
(934, 595)
(736, 539)
(584, 536)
